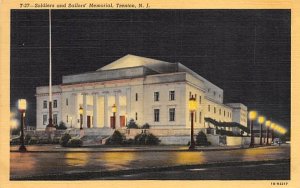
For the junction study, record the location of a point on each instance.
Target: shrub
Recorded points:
(130, 141)
(116, 139)
(15, 141)
(44, 141)
(74, 142)
(146, 139)
(201, 139)
(132, 125)
(55, 140)
(33, 140)
(146, 126)
(64, 140)
(61, 126)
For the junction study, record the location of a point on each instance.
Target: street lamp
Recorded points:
(268, 124)
(252, 117)
(81, 112)
(22, 104)
(193, 105)
(261, 120)
(114, 110)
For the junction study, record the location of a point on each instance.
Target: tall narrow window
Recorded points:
(200, 116)
(156, 115)
(55, 119)
(172, 114)
(156, 96)
(136, 116)
(54, 103)
(171, 95)
(220, 111)
(44, 119)
(209, 108)
(224, 113)
(136, 97)
(44, 104)
(67, 102)
(214, 109)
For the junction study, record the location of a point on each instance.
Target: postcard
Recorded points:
(148, 93)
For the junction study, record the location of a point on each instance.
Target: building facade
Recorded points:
(143, 89)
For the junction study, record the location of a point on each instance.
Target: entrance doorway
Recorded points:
(88, 121)
(122, 121)
(113, 124)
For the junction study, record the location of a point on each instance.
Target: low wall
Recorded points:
(237, 141)
(213, 139)
(43, 133)
(174, 140)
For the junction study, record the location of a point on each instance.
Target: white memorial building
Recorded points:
(143, 89)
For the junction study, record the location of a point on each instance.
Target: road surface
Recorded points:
(56, 164)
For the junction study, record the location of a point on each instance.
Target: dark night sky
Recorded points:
(217, 44)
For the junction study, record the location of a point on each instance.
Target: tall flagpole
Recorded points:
(50, 125)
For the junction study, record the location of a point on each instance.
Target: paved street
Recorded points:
(267, 171)
(56, 165)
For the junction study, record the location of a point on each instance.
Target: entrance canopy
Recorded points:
(227, 124)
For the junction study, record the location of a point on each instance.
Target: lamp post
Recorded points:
(81, 112)
(252, 117)
(114, 110)
(273, 125)
(22, 104)
(268, 124)
(193, 105)
(261, 120)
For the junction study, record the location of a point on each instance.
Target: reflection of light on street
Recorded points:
(258, 154)
(189, 157)
(118, 159)
(76, 159)
(22, 162)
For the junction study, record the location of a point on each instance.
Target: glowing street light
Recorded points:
(81, 113)
(268, 124)
(261, 120)
(193, 105)
(22, 105)
(114, 110)
(252, 117)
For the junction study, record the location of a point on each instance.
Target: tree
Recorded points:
(61, 126)
(116, 139)
(146, 126)
(64, 139)
(201, 139)
(146, 139)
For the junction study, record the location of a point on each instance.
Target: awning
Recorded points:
(227, 124)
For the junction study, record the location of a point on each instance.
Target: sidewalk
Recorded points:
(104, 148)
